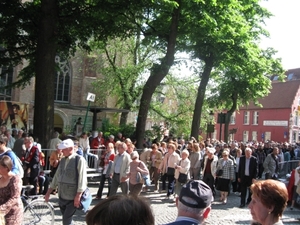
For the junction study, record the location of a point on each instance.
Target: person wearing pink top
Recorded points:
(136, 166)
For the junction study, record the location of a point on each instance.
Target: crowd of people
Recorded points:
(192, 174)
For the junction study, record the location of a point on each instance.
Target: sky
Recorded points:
(284, 31)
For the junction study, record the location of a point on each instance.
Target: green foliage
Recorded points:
(125, 62)
(173, 103)
(109, 128)
(224, 35)
(77, 22)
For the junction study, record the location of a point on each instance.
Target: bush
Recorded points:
(108, 129)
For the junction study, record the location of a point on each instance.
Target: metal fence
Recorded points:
(93, 158)
(285, 168)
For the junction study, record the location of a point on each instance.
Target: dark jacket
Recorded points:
(252, 168)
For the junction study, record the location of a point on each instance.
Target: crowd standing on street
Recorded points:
(222, 168)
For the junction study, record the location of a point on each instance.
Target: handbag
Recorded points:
(170, 171)
(182, 178)
(139, 178)
(107, 175)
(86, 196)
(85, 200)
(147, 180)
(219, 172)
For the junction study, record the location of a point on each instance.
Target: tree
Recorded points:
(164, 28)
(34, 32)
(223, 38)
(125, 63)
(239, 85)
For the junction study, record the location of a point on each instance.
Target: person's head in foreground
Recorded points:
(269, 199)
(194, 200)
(121, 210)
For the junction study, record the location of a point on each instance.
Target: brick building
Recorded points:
(277, 120)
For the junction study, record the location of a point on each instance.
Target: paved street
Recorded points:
(165, 210)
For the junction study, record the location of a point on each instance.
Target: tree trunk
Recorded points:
(158, 73)
(45, 72)
(234, 98)
(200, 98)
(123, 119)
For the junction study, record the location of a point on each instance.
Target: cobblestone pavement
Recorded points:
(165, 210)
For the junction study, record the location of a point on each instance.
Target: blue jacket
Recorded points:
(12, 155)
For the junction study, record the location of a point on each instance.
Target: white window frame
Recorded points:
(254, 135)
(232, 118)
(246, 117)
(268, 136)
(245, 136)
(255, 118)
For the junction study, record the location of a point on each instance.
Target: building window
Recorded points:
(254, 135)
(62, 81)
(255, 118)
(6, 75)
(246, 117)
(268, 136)
(290, 76)
(245, 136)
(296, 118)
(232, 118)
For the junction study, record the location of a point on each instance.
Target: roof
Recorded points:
(282, 95)
(291, 74)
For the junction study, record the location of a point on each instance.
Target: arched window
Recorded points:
(62, 81)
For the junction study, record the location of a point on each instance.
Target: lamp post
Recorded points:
(221, 120)
(291, 128)
(210, 125)
(90, 98)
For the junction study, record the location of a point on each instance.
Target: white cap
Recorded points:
(68, 143)
(211, 150)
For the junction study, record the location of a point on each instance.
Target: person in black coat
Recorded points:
(246, 175)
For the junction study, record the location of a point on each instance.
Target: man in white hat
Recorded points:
(70, 183)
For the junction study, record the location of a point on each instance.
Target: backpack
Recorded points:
(42, 158)
(18, 162)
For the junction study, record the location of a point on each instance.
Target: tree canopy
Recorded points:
(223, 35)
(34, 32)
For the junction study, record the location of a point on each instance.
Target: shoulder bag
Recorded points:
(86, 196)
(182, 177)
(219, 172)
(139, 176)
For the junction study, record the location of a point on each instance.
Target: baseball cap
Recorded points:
(65, 144)
(197, 190)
